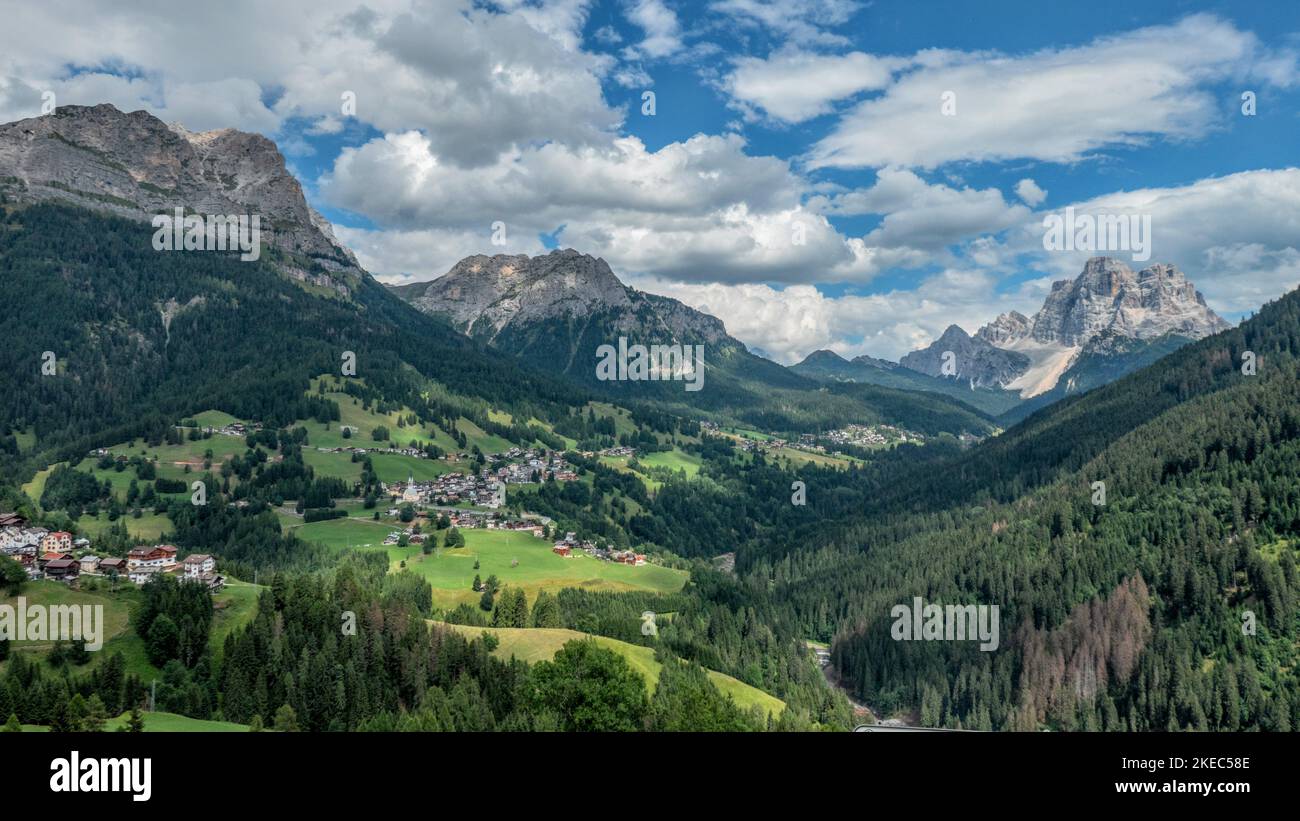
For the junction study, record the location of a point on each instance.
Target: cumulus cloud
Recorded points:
(699, 209)
(1235, 236)
(1056, 105)
(1030, 193)
(663, 32)
(479, 82)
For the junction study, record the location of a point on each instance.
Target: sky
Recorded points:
(826, 174)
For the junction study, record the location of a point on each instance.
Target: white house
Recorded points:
(197, 564)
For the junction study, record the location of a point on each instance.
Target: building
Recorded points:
(562, 550)
(140, 575)
(213, 581)
(56, 542)
(196, 564)
(62, 569)
(411, 493)
(112, 565)
(89, 564)
(161, 557)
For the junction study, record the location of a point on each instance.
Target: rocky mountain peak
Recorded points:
(134, 165)
(973, 359)
(1006, 328)
(1108, 295)
(486, 295)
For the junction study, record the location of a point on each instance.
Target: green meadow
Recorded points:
(523, 560)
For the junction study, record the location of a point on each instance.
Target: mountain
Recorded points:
(501, 299)
(1087, 318)
(972, 360)
(555, 311)
(1109, 296)
(830, 366)
(142, 337)
(135, 166)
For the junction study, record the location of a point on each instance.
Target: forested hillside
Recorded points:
(1122, 615)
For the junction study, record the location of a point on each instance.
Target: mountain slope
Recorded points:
(1119, 614)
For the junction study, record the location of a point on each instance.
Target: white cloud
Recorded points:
(1030, 193)
(698, 209)
(663, 32)
(1236, 236)
(797, 86)
(793, 322)
(1056, 105)
(478, 82)
(800, 22)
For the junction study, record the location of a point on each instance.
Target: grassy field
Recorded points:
(332, 465)
(233, 608)
(474, 435)
(394, 467)
(118, 637)
(339, 534)
(36, 486)
(172, 723)
(673, 460)
(451, 571)
(540, 644)
(364, 422)
(26, 440)
(148, 526)
(803, 457)
(620, 463)
(46, 593)
(213, 419)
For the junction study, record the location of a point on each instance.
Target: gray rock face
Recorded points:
(136, 166)
(974, 359)
(1006, 328)
(484, 295)
(1109, 296)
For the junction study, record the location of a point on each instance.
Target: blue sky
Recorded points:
(818, 119)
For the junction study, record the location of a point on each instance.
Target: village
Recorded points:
(54, 555)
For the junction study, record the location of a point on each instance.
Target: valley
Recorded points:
(306, 500)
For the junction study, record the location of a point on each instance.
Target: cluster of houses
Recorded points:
(570, 542)
(532, 466)
(869, 435)
(450, 488)
(46, 554)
